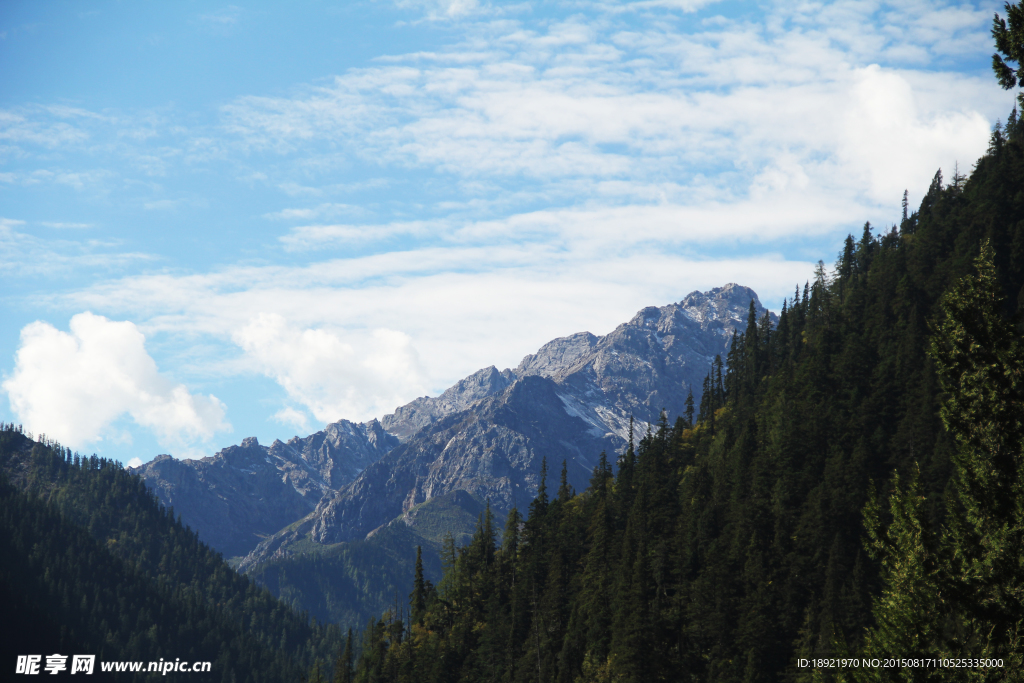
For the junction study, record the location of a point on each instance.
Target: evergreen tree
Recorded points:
(418, 599)
(962, 595)
(343, 671)
(689, 407)
(720, 551)
(1009, 48)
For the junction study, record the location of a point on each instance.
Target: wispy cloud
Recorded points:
(327, 210)
(427, 214)
(66, 226)
(591, 102)
(223, 21)
(434, 10)
(21, 127)
(319, 236)
(22, 253)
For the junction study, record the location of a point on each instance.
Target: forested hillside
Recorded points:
(726, 548)
(90, 563)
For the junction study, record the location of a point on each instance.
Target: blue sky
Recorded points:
(219, 221)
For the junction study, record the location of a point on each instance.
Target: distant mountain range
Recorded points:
(246, 492)
(485, 436)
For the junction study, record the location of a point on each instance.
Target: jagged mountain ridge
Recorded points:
(698, 327)
(246, 492)
(249, 492)
(489, 434)
(414, 416)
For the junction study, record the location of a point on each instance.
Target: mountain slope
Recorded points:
(91, 563)
(569, 401)
(732, 549)
(246, 492)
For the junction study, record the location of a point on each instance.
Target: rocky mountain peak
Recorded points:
(412, 417)
(485, 435)
(557, 355)
(729, 302)
(571, 400)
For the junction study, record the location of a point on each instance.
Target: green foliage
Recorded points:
(91, 563)
(347, 583)
(1009, 47)
(725, 548)
(962, 594)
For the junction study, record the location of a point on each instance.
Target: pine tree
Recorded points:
(962, 594)
(564, 492)
(343, 671)
(905, 613)
(689, 407)
(980, 360)
(418, 599)
(1009, 47)
(719, 388)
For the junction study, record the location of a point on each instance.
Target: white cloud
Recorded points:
(533, 178)
(437, 9)
(73, 386)
(66, 226)
(724, 112)
(320, 211)
(294, 418)
(25, 254)
(160, 205)
(356, 377)
(134, 462)
(887, 141)
(681, 5)
(28, 127)
(226, 16)
(316, 236)
(452, 311)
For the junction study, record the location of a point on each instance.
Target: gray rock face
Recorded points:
(412, 417)
(647, 364)
(341, 450)
(572, 399)
(243, 493)
(492, 451)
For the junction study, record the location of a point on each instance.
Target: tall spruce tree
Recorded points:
(1009, 36)
(962, 594)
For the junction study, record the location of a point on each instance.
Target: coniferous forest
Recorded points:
(91, 563)
(851, 485)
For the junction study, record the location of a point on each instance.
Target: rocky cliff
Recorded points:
(246, 492)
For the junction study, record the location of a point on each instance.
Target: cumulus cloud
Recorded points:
(356, 377)
(887, 140)
(73, 385)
